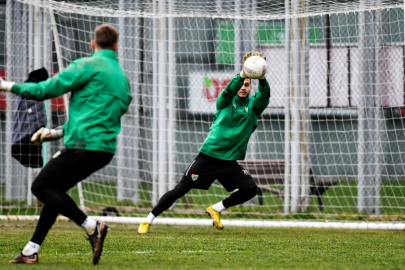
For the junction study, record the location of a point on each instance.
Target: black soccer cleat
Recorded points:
(97, 240)
(21, 258)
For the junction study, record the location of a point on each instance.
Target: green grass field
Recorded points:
(181, 247)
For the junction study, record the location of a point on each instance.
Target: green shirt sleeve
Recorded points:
(73, 77)
(262, 97)
(226, 96)
(130, 97)
(64, 127)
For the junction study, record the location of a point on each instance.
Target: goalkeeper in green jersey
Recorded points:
(100, 95)
(234, 122)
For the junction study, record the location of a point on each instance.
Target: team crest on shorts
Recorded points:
(194, 177)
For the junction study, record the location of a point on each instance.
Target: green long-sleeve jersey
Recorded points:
(235, 120)
(100, 95)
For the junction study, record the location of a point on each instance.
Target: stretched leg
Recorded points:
(247, 189)
(30, 252)
(46, 220)
(165, 202)
(200, 174)
(61, 203)
(56, 178)
(171, 196)
(59, 175)
(53, 194)
(235, 178)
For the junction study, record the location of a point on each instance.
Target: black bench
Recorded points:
(271, 172)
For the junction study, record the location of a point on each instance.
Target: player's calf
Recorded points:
(251, 190)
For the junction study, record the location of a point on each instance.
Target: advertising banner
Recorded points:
(204, 89)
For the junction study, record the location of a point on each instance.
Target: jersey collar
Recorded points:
(106, 53)
(241, 101)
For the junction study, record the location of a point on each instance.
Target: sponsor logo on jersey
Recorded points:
(245, 172)
(194, 177)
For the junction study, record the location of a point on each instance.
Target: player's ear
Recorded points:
(93, 44)
(116, 47)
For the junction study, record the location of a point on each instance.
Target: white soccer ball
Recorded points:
(255, 67)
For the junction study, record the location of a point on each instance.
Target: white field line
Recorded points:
(237, 223)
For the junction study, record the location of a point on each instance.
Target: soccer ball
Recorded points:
(255, 67)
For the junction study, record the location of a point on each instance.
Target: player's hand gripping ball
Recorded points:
(255, 66)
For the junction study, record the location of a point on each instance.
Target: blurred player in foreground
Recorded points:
(234, 122)
(100, 95)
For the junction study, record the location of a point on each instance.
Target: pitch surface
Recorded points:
(181, 247)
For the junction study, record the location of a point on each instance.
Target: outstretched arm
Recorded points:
(65, 81)
(226, 96)
(262, 97)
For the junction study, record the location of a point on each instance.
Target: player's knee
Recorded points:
(251, 189)
(36, 190)
(175, 193)
(180, 190)
(39, 191)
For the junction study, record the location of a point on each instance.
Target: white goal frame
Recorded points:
(291, 148)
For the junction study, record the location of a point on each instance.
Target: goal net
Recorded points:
(329, 147)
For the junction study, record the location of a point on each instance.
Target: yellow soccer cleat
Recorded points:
(143, 227)
(216, 217)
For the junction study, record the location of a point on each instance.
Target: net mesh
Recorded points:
(263, 9)
(344, 119)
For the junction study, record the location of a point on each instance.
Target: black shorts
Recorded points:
(68, 167)
(204, 170)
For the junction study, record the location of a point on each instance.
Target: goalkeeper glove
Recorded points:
(245, 57)
(6, 85)
(47, 135)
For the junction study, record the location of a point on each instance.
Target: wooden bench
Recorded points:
(271, 172)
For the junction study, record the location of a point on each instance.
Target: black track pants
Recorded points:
(202, 172)
(67, 168)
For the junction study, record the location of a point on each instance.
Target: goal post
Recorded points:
(327, 152)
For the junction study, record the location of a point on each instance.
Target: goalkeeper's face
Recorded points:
(245, 90)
